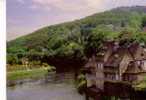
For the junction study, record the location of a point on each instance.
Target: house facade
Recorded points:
(116, 63)
(95, 73)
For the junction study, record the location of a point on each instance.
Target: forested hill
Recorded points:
(76, 39)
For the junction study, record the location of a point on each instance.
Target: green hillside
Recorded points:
(79, 38)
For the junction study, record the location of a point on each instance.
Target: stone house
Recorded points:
(95, 67)
(116, 63)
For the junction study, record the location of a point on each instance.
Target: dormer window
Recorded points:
(116, 55)
(100, 54)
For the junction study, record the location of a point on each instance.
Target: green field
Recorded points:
(27, 74)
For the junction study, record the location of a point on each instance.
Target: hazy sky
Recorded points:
(25, 16)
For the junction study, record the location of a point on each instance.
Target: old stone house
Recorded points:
(116, 63)
(95, 67)
(95, 73)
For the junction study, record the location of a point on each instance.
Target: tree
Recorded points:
(12, 59)
(126, 36)
(95, 40)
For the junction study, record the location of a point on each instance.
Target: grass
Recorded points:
(15, 67)
(27, 74)
(141, 86)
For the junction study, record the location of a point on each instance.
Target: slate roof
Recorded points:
(116, 57)
(133, 47)
(134, 68)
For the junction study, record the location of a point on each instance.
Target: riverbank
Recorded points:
(21, 76)
(25, 74)
(37, 75)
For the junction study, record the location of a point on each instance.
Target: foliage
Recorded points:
(80, 38)
(24, 74)
(144, 21)
(12, 59)
(81, 81)
(141, 85)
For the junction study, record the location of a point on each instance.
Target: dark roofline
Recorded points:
(138, 60)
(135, 72)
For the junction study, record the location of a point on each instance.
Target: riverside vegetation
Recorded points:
(20, 72)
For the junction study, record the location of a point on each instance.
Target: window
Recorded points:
(117, 77)
(116, 55)
(99, 65)
(138, 62)
(130, 78)
(110, 76)
(142, 63)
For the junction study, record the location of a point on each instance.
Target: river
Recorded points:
(43, 91)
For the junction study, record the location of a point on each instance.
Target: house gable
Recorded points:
(124, 63)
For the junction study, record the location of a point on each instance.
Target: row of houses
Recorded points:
(116, 63)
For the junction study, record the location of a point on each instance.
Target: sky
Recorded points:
(26, 16)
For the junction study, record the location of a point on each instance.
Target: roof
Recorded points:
(91, 62)
(134, 67)
(116, 57)
(117, 53)
(133, 47)
(100, 56)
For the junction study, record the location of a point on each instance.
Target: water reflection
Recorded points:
(43, 91)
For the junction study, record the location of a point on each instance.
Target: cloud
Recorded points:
(86, 7)
(68, 5)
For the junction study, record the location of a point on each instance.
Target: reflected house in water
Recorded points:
(116, 63)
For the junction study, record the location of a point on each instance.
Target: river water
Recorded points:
(44, 91)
